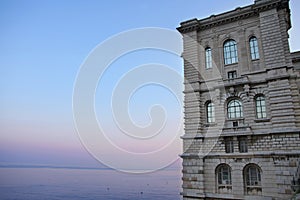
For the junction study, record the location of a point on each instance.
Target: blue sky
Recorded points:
(43, 44)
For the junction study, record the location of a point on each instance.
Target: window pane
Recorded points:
(261, 107)
(229, 148)
(208, 58)
(232, 75)
(224, 175)
(253, 177)
(230, 52)
(234, 109)
(243, 146)
(254, 48)
(210, 112)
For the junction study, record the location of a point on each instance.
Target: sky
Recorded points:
(43, 47)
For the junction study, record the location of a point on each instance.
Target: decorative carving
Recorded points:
(235, 15)
(232, 91)
(206, 44)
(217, 95)
(247, 91)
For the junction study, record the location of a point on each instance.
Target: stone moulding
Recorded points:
(231, 16)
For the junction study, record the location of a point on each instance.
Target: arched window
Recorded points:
(252, 179)
(260, 103)
(254, 48)
(210, 112)
(230, 52)
(223, 174)
(208, 58)
(234, 109)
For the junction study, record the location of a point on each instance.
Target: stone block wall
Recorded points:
(274, 141)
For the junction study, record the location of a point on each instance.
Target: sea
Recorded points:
(67, 183)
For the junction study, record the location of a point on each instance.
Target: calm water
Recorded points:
(46, 183)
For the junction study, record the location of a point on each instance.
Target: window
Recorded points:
(261, 111)
(223, 174)
(234, 109)
(254, 48)
(243, 145)
(229, 147)
(235, 124)
(232, 75)
(208, 58)
(252, 177)
(230, 52)
(210, 111)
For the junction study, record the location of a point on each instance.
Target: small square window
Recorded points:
(232, 75)
(235, 124)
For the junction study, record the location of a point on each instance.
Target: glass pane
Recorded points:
(208, 58)
(259, 115)
(254, 48)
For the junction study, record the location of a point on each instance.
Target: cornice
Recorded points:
(231, 16)
(295, 56)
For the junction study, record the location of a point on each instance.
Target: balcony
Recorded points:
(236, 81)
(236, 127)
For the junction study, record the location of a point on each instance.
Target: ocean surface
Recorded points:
(42, 183)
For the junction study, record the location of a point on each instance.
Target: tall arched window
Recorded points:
(230, 52)
(223, 174)
(210, 112)
(260, 103)
(254, 48)
(252, 179)
(208, 58)
(234, 109)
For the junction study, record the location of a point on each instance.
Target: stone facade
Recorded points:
(242, 105)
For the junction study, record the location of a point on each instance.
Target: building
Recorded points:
(242, 105)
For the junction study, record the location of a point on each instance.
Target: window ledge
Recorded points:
(225, 185)
(235, 119)
(256, 59)
(262, 120)
(227, 65)
(253, 186)
(245, 126)
(210, 124)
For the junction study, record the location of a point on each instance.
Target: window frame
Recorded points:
(260, 107)
(235, 111)
(254, 49)
(208, 58)
(232, 75)
(225, 171)
(229, 145)
(243, 145)
(210, 112)
(252, 175)
(230, 52)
